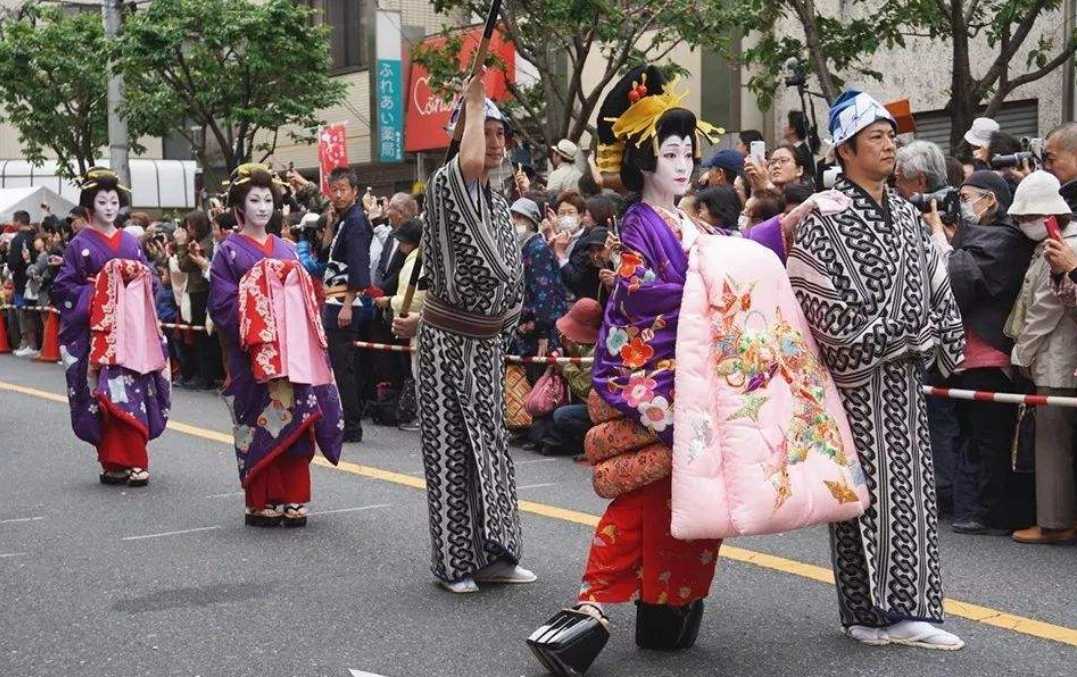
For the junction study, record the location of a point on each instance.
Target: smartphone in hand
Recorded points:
(758, 151)
(1053, 231)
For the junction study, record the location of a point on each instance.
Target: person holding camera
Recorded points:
(1045, 334)
(1060, 159)
(920, 168)
(986, 259)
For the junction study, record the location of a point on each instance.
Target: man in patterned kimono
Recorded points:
(473, 271)
(879, 303)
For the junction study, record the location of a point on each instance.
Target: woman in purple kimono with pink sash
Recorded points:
(651, 145)
(277, 422)
(113, 407)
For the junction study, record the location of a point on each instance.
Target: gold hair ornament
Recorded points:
(640, 123)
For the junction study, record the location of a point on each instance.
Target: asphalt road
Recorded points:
(166, 580)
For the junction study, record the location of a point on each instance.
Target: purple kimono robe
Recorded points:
(634, 357)
(269, 419)
(141, 399)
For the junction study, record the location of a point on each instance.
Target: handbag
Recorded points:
(516, 391)
(549, 393)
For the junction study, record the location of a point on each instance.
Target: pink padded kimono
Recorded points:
(761, 441)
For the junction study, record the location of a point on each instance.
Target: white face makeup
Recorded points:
(673, 171)
(258, 207)
(106, 207)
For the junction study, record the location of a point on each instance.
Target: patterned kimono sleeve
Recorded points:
(72, 291)
(638, 290)
(945, 315)
(853, 337)
(543, 285)
(224, 295)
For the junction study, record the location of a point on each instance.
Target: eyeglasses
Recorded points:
(780, 161)
(972, 199)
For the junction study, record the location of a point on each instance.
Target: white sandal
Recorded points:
(139, 477)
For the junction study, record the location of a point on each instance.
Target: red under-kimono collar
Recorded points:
(266, 247)
(113, 241)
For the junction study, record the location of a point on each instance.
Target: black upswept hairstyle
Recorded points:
(256, 177)
(637, 159)
(99, 184)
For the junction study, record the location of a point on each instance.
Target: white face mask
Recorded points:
(968, 211)
(568, 224)
(258, 207)
(743, 221)
(1034, 230)
(106, 207)
(673, 168)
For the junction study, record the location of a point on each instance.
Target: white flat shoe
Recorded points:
(461, 587)
(505, 572)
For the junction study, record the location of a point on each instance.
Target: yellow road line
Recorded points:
(966, 610)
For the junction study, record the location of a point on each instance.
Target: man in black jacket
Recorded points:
(348, 309)
(986, 260)
(1060, 158)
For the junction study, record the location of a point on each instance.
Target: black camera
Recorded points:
(1013, 160)
(798, 72)
(946, 200)
(1032, 153)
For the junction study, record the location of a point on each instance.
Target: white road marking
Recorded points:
(365, 507)
(537, 486)
(538, 460)
(19, 520)
(170, 533)
(230, 493)
(360, 673)
(13, 554)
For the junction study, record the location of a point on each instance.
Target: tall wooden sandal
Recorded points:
(114, 476)
(139, 477)
(569, 642)
(268, 516)
(295, 515)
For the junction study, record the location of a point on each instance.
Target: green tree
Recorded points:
(227, 75)
(843, 45)
(53, 89)
(560, 37)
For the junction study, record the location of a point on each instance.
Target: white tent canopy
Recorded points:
(30, 199)
(155, 184)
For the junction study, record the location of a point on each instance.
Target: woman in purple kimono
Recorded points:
(276, 422)
(114, 408)
(652, 144)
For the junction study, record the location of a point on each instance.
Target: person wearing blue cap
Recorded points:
(878, 299)
(723, 168)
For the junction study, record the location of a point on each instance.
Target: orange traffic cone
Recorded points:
(50, 344)
(5, 344)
